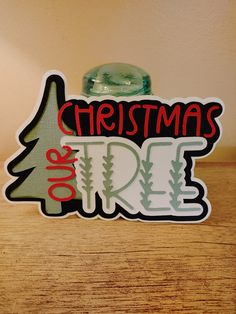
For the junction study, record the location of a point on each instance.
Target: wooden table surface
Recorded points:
(77, 266)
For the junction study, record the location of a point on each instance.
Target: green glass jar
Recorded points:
(116, 79)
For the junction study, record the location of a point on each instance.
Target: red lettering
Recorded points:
(193, 111)
(59, 118)
(67, 178)
(88, 110)
(64, 186)
(102, 116)
(121, 119)
(146, 118)
(59, 158)
(210, 121)
(132, 120)
(162, 116)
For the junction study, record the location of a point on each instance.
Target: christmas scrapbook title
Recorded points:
(110, 157)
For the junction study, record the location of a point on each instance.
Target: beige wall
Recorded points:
(188, 47)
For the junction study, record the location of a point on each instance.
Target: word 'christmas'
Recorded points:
(143, 119)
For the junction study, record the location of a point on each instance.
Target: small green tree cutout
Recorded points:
(31, 165)
(176, 181)
(146, 183)
(86, 173)
(107, 174)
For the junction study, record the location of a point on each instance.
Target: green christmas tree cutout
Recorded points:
(30, 166)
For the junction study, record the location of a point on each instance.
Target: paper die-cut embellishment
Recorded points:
(110, 157)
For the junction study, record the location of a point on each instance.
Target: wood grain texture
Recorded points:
(78, 266)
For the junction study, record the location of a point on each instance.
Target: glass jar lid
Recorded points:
(116, 79)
